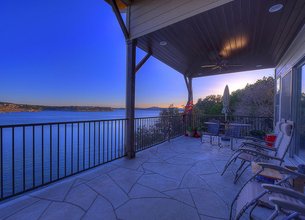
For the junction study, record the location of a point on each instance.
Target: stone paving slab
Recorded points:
(174, 180)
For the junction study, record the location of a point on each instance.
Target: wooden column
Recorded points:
(189, 86)
(130, 97)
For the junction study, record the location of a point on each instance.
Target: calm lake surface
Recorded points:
(34, 155)
(63, 116)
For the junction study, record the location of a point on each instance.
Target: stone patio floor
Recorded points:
(174, 180)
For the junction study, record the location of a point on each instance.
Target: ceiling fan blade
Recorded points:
(216, 67)
(208, 66)
(233, 65)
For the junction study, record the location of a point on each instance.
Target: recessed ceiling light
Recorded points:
(259, 65)
(275, 8)
(163, 43)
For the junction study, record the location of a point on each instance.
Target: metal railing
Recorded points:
(33, 155)
(151, 131)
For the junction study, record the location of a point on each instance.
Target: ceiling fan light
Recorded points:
(276, 8)
(163, 43)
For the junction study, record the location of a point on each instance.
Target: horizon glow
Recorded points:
(73, 53)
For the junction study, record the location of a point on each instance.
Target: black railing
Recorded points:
(264, 124)
(33, 155)
(151, 131)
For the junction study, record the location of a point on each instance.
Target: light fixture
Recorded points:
(163, 43)
(275, 8)
(259, 65)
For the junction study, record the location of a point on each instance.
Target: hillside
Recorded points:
(12, 107)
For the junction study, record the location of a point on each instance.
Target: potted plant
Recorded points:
(190, 131)
(258, 134)
(200, 130)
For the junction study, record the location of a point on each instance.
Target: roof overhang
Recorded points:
(238, 36)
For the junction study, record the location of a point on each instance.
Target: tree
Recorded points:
(255, 99)
(210, 105)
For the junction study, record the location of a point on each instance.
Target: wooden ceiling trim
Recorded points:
(293, 29)
(283, 27)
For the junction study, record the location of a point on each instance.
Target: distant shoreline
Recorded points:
(6, 107)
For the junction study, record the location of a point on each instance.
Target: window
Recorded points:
(286, 96)
(277, 99)
(300, 122)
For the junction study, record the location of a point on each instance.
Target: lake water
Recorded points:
(34, 155)
(63, 116)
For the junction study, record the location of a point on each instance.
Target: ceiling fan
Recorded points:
(223, 64)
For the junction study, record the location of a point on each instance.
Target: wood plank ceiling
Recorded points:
(238, 36)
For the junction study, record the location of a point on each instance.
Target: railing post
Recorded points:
(130, 98)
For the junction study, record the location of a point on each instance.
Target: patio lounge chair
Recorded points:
(253, 193)
(287, 202)
(257, 143)
(249, 154)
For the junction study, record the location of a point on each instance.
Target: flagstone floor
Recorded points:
(174, 180)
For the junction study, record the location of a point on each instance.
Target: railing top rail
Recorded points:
(163, 116)
(60, 123)
(118, 119)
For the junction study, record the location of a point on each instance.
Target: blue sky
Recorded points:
(72, 52)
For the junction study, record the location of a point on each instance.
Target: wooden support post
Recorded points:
(141, 63)
(130, 98)
(189, 86)
(119, 18)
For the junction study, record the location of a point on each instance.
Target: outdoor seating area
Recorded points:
(180, 179)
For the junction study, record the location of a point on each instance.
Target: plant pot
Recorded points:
(190, 133)
(199, 133)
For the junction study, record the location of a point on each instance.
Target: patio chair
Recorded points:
(249, 154)
(287, 202)
(257, 142)
(231, 133)
(253, 193)
(212, 131)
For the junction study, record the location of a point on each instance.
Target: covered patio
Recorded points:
(174, 180)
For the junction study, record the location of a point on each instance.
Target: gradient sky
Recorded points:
(72, 52)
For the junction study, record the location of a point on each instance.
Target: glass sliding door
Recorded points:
(300, 120)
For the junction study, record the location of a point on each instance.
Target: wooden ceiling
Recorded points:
(238, 36)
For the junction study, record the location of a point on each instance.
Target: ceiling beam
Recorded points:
(141, 63)
(120, 19)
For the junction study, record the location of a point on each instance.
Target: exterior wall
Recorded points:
(294, 54)
(150, 15)
(287, 69)
(291, 58)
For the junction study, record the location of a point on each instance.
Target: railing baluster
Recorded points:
(89, 147)
(94, 141)
(51, 153)
(33, 158)
(72, 147)
(2, 163)
(99, 142)
(65, 151)
(103, 141)
(78, 160)
(58, 149)
(13, 160)
(42, 154)
(84, 145)
(23, 157)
